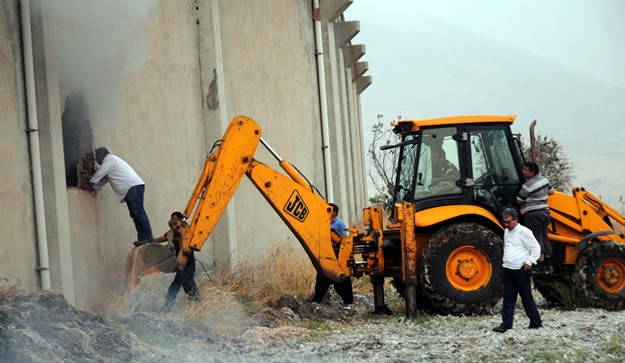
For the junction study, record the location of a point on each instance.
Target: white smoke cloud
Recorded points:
(97, 45)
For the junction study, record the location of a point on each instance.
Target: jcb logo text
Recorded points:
(295, 207)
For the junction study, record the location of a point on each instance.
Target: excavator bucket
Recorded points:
(146, 260)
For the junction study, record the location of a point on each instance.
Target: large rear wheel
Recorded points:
(460, 269)
(600, 275)
(553, 288)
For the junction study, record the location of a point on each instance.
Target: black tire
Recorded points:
(600, 275)
(461, 271)
(423, 303)
(549, 288)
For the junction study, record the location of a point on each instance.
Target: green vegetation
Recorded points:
(615, 345)
(569, 298)
(318, 329)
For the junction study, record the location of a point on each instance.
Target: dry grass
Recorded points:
(9, 288)
(228, 298)
(285, 270)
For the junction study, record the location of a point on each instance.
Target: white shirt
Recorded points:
(116, 171)
(519, 247)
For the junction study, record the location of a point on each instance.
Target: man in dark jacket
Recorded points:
(322, 284)
(184, 279)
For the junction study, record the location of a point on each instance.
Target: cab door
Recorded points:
(494, 170)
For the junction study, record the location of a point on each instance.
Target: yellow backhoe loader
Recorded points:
(442, 246)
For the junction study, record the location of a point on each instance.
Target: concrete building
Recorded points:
(157, 82)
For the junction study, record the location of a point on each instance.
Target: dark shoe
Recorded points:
(141, 242)
(194, 295)
(501, 329)
(535, 326)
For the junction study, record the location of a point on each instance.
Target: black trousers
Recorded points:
(538, 221)
(518, 282)
(344, 289)
(134, 201)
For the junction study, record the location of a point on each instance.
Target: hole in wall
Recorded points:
(77, 141)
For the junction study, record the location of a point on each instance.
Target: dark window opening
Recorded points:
(77, 141)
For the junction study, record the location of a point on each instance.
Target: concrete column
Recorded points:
(350, 207)
(359, 165)
(216, 119)
(53, 164)
(341, 195)
(354, 150)
(18, 253)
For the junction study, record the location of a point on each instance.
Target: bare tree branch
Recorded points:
(554, 164)
(383, 163)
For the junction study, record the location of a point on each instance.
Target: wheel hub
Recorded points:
(611, 276)
(467, 269)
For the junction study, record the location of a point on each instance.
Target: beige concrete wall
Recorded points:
(142, 91)
(161, 80)
(17, 252)
(269, 74)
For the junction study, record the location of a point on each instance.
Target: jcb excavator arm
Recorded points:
(581, 215)
(306, 213)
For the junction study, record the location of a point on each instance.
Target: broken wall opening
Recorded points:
(77, 141)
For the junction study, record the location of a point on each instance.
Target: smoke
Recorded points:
(97, 46)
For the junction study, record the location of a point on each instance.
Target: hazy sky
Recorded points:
(580, 42)
(588, 35)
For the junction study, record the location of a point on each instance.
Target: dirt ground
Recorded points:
(43, 327)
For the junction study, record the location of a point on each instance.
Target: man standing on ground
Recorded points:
(520, 252)
(533, 201)
(128, 186)
(343, 288)
(184, 279)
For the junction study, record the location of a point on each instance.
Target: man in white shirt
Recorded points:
(126, 184)
(520, 251)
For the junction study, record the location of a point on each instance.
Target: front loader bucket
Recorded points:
(146, 260)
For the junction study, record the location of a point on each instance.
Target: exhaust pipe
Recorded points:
(533, 141)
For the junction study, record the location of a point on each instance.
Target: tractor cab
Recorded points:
(467, 160)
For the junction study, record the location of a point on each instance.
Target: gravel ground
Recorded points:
(42, 327)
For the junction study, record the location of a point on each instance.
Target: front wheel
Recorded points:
(461, 271)
(600, 275)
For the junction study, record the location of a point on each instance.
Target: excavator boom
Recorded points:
(223, 170)
(305, 212)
